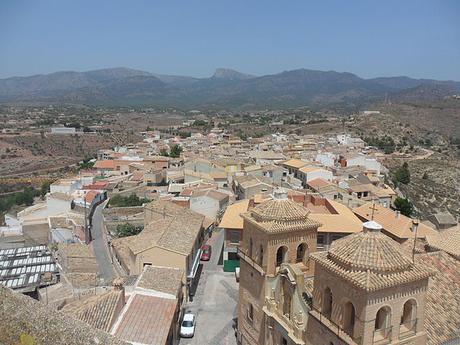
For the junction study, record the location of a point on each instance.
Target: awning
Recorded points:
(196, 263)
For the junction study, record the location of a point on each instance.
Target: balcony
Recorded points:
(250, 261)
(408, 329)
(295, 329)
(336, 329)
(382, 336)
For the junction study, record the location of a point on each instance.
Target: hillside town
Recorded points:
(214, 238)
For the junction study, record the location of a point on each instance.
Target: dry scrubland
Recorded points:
(23, 154)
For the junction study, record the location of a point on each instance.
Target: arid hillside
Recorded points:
(35, 153)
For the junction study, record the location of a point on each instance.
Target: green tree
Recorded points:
(175, 151)
(127, 201)
(404, 206)
(45, 188)
(164, 153)
(402, 174)
(127, 229)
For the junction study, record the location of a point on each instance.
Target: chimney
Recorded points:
(118, 286)
(398, 213)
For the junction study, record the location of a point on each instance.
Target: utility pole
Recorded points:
(86, 220)
(414, 229)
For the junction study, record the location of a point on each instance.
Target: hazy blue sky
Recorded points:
(370, 38)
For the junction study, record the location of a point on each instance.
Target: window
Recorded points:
(320, 239)
(327, 303)
(349, 315)
(261, 255)
(250, 248)
(281, 255)
(382, 328)
(283, 341)
(250, 312)
(234, 236)
(409, 315)
(301, 252)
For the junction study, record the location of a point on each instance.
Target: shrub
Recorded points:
(404, 206)
(128, 229)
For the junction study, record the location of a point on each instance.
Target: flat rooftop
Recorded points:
(23, 268)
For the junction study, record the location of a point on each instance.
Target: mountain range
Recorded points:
(225, 89)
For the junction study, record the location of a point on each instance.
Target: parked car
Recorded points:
(187, 327)
(206, 252)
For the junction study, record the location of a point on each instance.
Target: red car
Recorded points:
(206, 252)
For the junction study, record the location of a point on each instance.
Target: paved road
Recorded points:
(101, 250)
(215, 302)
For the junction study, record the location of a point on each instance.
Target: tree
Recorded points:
(127, 201)
(127, 229)
(164, 153)
(45, 188)
(175, 151)
(402, 174)
(404, 206)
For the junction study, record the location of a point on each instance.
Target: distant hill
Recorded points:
(230, 74)
(226, 88)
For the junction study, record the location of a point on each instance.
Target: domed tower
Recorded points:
(275, 232)
(367, 291)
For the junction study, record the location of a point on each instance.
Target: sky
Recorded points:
(416, 38)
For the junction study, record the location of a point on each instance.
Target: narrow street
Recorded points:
(100, 248)
(215, 301)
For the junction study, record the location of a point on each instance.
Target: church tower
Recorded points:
(367, 291)
(275, 233)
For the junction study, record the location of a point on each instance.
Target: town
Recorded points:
(218, 237)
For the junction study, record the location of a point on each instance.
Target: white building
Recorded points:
(327, 159)
(63, 130)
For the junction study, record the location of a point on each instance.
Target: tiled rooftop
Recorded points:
(281, 214)
(98, 311)
(442, 311)
(162, 279)
(21, 315)
(147, 320)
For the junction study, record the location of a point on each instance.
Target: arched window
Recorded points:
(409, 315)
(250, 248)
(301, 252)
(281, 255)
(261, 255)
(349, 316)
(383, 323)
(326, 308)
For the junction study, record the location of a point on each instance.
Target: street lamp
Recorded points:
(415, 223)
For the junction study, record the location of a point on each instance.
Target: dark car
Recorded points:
(206, 252)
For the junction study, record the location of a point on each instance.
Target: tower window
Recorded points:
(327, 303)
(281, 255)
(301, 252)
(383, 323)
(409, 315)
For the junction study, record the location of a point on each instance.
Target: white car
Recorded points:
(187, 327)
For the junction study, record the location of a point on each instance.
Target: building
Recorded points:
(276, 232)
(365, 290)
(26, 269)
(172, 237)
(44, 325)
(63, 130)
(232, 223)
(394, 224)
(309, 173)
